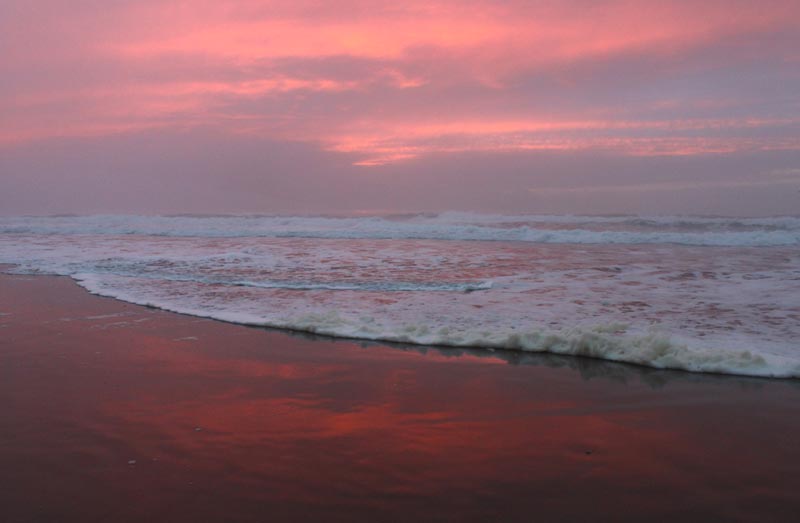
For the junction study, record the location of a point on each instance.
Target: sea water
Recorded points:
(704, 294)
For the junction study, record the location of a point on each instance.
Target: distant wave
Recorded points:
(697, 231)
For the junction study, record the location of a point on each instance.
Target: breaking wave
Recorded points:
(611, 287)
(611, 342)
(698, 231)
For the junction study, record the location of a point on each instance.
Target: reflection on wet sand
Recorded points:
(124, 413)
(588, 368)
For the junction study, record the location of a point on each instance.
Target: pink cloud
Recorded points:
(389, 82)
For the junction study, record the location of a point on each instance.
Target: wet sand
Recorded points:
(116, 412)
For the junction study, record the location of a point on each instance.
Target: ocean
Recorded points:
(701, 294)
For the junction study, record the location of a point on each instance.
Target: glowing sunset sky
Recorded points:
(311, 106)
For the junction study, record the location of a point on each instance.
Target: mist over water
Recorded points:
(695, 293)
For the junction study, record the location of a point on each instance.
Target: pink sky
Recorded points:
(304, 106)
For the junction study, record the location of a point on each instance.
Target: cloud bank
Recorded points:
(391, 99)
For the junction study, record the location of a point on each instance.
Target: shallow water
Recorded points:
(699, 294)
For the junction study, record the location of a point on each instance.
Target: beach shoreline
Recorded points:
(121, 412)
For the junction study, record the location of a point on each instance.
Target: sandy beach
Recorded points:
(116, 412)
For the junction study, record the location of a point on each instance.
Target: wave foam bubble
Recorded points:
(610, 341)
(725, 309)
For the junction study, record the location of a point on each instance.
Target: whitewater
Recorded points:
(701, 294)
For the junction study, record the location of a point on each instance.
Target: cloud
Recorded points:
(371, 86)
(208, 171)
(95, 68)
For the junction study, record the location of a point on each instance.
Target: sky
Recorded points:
(242, 106)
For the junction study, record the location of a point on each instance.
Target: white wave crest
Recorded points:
(699, 231)
(609, 341)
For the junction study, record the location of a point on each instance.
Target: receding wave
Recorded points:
(377, 286)
(605, 341)
(373, 286)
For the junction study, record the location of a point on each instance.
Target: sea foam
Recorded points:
(610, 341)
(692, 293)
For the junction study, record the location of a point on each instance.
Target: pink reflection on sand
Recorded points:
(138, 413)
